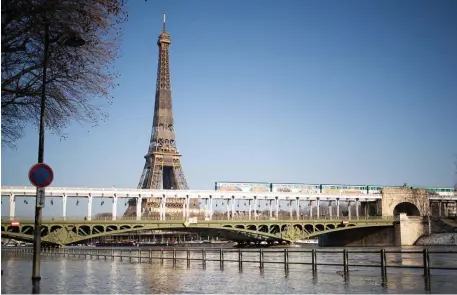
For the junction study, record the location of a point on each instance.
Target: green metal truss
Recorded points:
(74, 231)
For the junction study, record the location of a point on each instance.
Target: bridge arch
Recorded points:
(408, 208)
(413, 202)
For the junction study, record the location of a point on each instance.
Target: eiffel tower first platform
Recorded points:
(162, 169)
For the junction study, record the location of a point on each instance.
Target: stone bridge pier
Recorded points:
(409, 207)
(412, 210)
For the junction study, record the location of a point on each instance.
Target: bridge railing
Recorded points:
(8, 219)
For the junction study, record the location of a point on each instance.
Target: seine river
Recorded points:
(79, 275)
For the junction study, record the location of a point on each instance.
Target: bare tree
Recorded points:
(78, 79)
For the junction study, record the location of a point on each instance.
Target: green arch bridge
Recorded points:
(74, 231)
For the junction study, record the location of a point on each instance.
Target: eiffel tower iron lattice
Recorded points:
(162, 169)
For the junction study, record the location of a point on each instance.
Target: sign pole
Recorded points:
(36, 276)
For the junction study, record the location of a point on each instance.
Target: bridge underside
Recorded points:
(69, 232)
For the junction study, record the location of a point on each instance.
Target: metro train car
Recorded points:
(442, 191)
(446, 191)
(374, 189)
(377, 189)
(344, 189)
(336, 189)
(296, 188)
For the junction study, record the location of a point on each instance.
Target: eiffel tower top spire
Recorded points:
(164, 37)
(164, 23)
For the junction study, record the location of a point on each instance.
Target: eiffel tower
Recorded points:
(162, 169)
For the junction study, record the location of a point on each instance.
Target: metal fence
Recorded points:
(285, 257)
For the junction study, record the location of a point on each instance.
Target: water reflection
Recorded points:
(114, 278)
(88, 277)
(64, 274)
(73, 275)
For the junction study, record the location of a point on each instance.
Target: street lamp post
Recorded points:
(40, 194)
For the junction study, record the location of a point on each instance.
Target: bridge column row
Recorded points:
(444, 206)
(350, 203)
(89, 206)
(13, 206)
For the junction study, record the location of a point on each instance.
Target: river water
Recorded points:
(78, 275)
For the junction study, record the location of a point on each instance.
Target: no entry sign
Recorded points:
(41, 175)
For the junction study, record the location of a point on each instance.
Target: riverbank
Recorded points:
(441, 239)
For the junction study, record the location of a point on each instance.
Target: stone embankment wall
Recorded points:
(443, 239)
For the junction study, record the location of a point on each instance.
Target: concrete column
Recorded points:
(298, 208)
(161, 208)
(114, 207)
(184, 204)
(205, 208)
(210, 208)
(357, 208)
(12, 206)
(290, 210)
(349, 209)
(439, 208)
(89, 207)
(139, 203)
(337, 208)
(317, 206)
(330, 209)
(255, 208)
(271, 209)
(64, 206)
(310, 206)
(233, 207)
(445, 209)
(164, 209)
(277, 208)
(250, 209)
(187, 207)
(228, 209)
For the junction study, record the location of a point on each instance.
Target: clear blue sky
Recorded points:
(356, 92)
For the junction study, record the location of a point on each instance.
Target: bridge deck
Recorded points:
(204, 194)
